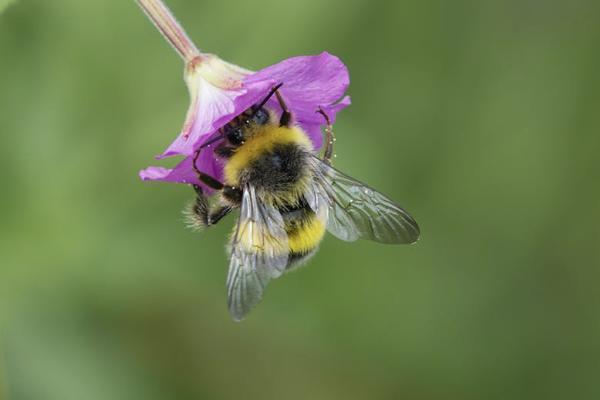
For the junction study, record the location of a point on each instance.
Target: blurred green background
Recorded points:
(480, 117)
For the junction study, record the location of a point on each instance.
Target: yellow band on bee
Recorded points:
(305, 238)
(308, 236)
(259, 143)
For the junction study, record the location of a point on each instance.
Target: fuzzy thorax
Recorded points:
(274, 160)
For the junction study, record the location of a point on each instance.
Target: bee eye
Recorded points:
(234, 134)
(260, 116)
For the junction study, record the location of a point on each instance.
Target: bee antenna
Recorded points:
(211, 141)
(268, 97)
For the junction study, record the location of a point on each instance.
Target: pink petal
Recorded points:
(184, 172)
(310, 83)
(213, 108)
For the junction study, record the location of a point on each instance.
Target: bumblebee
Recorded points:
(288, 196)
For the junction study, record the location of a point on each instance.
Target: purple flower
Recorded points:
(220, 91)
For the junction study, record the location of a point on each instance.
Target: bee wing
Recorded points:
(353, 210)
(259, 253)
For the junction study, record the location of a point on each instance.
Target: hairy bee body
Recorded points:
(276, 162)
(288, 196)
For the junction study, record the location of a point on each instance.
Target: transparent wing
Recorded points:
(259, 253)
(353, 210)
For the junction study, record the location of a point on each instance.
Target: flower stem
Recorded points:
(166, 23)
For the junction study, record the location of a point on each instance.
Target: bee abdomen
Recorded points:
(296, 260)
(305, 232)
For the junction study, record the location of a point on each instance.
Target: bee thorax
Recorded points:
(278, 171)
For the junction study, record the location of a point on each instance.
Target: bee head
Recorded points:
(238, 131)
(235, 134)
(260, 116)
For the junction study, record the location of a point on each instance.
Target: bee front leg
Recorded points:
(218, 214)
(224, 151)
(201, 214)
(198, 212)
(208, 180)
(329, 137)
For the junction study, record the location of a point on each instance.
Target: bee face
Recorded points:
(235, 134)
(260, 117)
(238, 130)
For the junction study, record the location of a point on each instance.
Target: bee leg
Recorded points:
(286, 115)
(201, 215)
(224, 151)
(218, 214)
(210, 181)
(329, 137)
(198, 212)
(233, 194)
(205, 178)
(199, 191)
